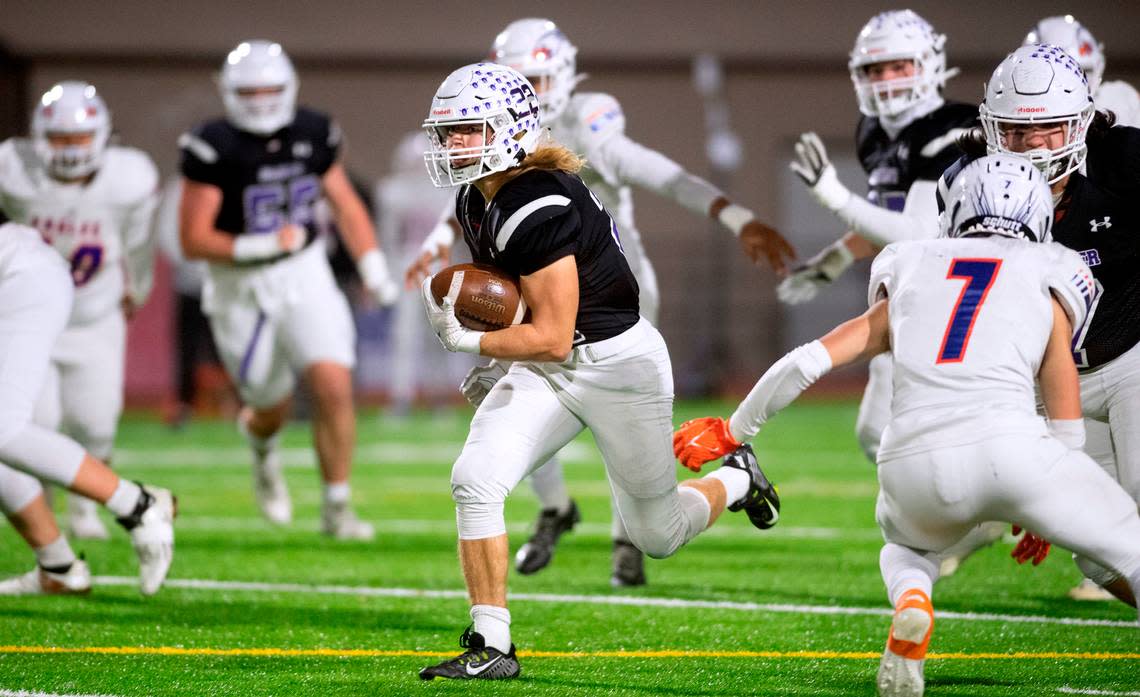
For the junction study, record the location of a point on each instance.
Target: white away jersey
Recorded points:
(102, 229)
(969, 322)
(1121, 99)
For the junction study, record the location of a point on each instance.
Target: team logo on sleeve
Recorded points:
(1085, 285)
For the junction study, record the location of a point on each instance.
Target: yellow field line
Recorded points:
(378, 653)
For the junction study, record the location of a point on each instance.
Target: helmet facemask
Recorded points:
(1054, 163)
(898, 36)
(74, 113)
(259, 87)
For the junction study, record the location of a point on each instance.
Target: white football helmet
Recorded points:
(254, 66)
(1039, 85)
(999, 195)
(1078, 42)
(897, 35)
(538, 50)
(70, 108)
(495, 97)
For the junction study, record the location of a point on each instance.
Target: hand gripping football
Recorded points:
(485, 297)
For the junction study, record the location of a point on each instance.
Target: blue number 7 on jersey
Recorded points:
(979, 275)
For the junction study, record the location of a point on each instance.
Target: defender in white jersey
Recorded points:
(1116, 96)
(971, 322)
(35, 301)
(94, 204)
(593, 125)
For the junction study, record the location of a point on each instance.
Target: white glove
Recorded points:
(373, 269)
(453, 335)
(481, 379)
(812, 166)
(805, 281)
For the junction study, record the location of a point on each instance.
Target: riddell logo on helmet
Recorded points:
(441, 112)
(1030, 109)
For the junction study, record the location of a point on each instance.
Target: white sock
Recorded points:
(122, 503)
(336, 493)
(494, 623)
(55, 555)
(736, 482)
(904, 568)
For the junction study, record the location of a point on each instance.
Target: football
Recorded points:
(485, 297)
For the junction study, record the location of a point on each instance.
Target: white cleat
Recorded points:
(152, 535)
(1088, 590)
(83, 521)
(900, 676)
(339, 522)
(39, 581)
(269, 488)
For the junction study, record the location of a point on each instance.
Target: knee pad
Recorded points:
(44, 454)
(17, 490)
(477, 521)
(1100, 575)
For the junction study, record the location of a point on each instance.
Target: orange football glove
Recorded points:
(1029, 547)
(699, 440)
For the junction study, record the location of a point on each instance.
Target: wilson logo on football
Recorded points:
(496, 307)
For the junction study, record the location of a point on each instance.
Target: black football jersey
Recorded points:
(266, 181)
(921, 151)
(1099, 217)
(540, 217)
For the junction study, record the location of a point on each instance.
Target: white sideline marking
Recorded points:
(447, 527)
(25, 693)
(626, 600)
(1074, 691)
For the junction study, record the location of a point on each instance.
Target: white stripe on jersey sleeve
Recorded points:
(937, 145)
(525, 212)
(200, 148)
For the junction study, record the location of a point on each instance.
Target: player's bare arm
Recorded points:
(201, 240)
(1060, 389)
(551, 293)
(359, 235)
(435, 251)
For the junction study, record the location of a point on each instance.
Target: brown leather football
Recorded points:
(485, 297)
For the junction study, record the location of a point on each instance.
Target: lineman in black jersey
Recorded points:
(1093, 169)
(585, 360)
(905, 139)
(250, 182)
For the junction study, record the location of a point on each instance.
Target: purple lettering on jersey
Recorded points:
(85, 262)
(263, 204)
(979, 275)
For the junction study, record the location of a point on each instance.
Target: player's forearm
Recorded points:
(880, 226)
(207, 244)
(636, 165)
(356, 229)
(859, 246)
(528, 342)
(779, 387)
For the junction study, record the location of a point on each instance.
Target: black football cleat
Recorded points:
(629, 565)
(478, 662)
(536, 553)
(762, 502)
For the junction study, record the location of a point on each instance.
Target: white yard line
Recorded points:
(625, 600)
(1077, 691)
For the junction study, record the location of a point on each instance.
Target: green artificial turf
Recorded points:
(782, 587)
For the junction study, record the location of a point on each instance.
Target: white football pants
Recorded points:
(622, 390)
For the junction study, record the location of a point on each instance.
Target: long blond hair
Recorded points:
(550, 155)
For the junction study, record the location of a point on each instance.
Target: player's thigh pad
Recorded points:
(246, 339)
(17, 489)
(34, 310)
(316, 325)
(91, 364)
(520, 424)
(875, 407)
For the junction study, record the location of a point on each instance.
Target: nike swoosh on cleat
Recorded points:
(483, 668)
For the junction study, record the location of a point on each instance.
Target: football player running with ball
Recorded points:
(593, 124)
(587, 359)
(36, 292)
(971, 320)
(250, 184)
(1038, 107)
(94, 203)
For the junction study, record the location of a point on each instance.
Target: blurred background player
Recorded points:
(593, 125)
(944, 308)
(36, 296)
(94, 202)
(905, 139)
(193, 345)
(1038, 107)
(408, 207)
(1116, 96)
(250, 183)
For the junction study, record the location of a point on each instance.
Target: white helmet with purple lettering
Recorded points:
(1078, 42)
(494, 97)
(1039, 85)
